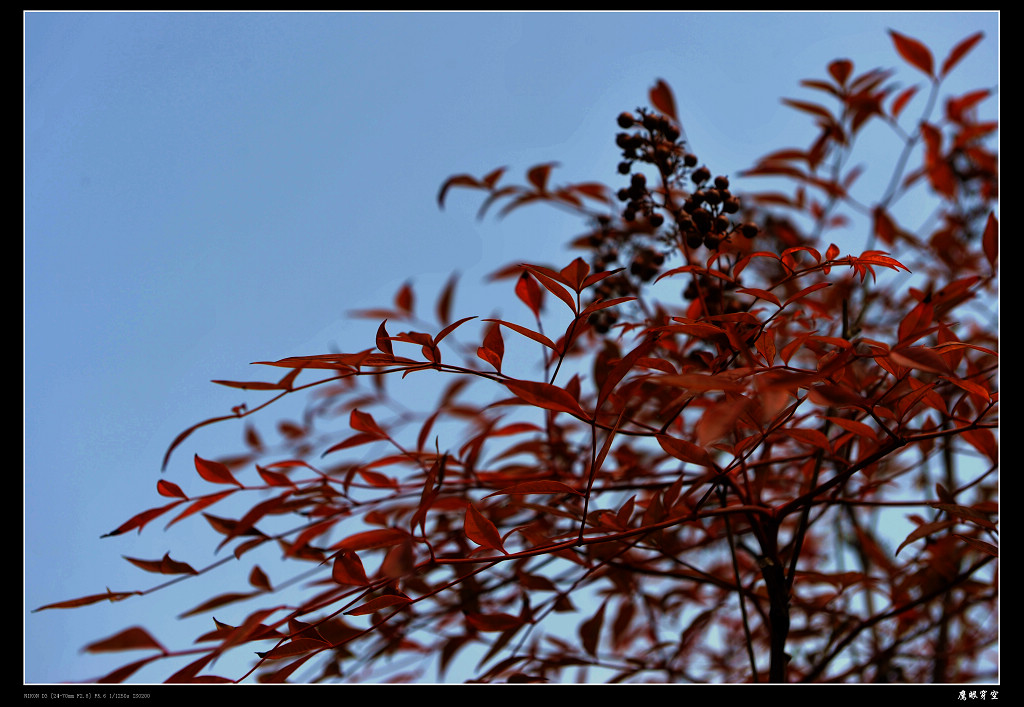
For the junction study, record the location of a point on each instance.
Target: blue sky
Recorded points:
(204, 190)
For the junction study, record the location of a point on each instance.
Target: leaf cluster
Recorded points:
(678, 474)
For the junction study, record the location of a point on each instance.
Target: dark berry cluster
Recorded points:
(670, 204)
(705, 212)
(704, 216)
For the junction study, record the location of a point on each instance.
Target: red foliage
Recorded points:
(681, 474)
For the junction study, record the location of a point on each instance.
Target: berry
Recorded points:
(690, 159)
(722, 182)
(656, 220)
(702, 217)
(749, 230)
(626, 120)
(700, 175)
(653, 122)
(624, 167)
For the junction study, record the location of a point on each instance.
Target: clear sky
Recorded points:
(205, 190)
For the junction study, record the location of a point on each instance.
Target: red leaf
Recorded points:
(258, 578)
(449, 329)
(806, 291)
(920, 358)
(621, 368)
(913, 52)
(293, 648)
(663, 100)
(885, 228)
(966, 514)
(831, 395)
(140, 520)
(547, 396)
(279, 676)
(248, 385)
(980, 545)
(188, 673)
(959, 51)
(383, 340)
(348, 570)
(91, 599)
(957, 107)
(378, 480)
(444, 300)
(685, 450)
(576, 273)
(373, 539)
(125, 671)
(214, 472)
(482, 531)
(130, 639)
(598, 305)
(985, 442)
(163, 566)
(199, 504)
(877, 257)
(379, 603)
(538, 176)
(364, 422)
(404, 298)
(273, 478)
(529, 333)
(766, 345)
(840, 70)
(494, 622)
(459, 180)
(590, 631)
(529, 292)
(699, 382)
(491, 178)
(812, 108)
(760, 294)
(218, 601)
(901, 100)
(528, 487)
(814, 438)
(553, 282)
(494, 347)
(166, 488)
(858, 428)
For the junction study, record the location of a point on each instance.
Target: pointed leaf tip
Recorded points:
(482, 531)
(913, 52)
(215, 472)
(663, 100)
